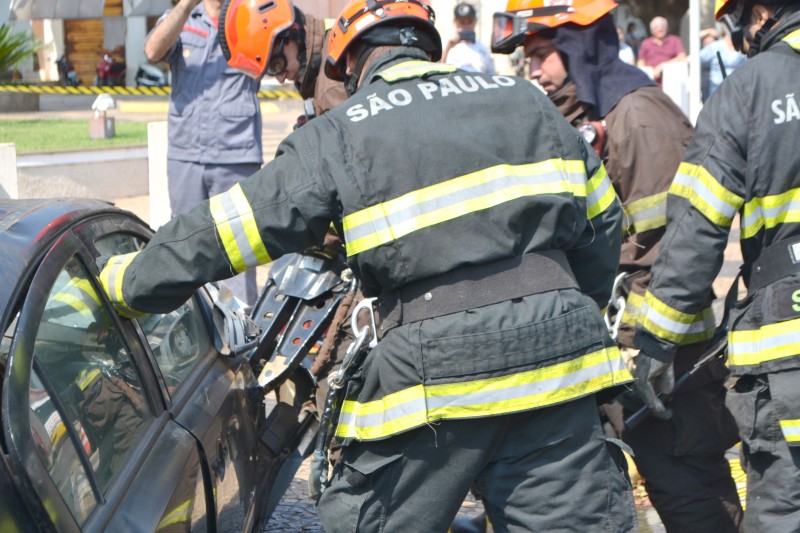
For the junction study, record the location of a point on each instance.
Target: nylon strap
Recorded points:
(777, 261)
(476, 286)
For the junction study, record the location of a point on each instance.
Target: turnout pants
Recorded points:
(773, 466)
(550, 469)
(682, 460)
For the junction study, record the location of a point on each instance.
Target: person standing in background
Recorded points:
(719, 49)
(463, 49)
(660, 48)
(625, 51)
(214, 123)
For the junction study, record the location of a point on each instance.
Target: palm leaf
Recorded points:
(14, 47)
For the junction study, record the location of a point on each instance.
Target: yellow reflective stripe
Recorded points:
(112, 277)
(706, 194)
(86, 377)
(633, 308)
(673, 325)
(793, 40)
(328, 23)
(423, 404)
(599, 193)
(770, 211)
(646, 213)
(238, 230)
(176, 516)
(74, 302)
(414, 69)
(767, 343)
(791, 430)
(459, 196)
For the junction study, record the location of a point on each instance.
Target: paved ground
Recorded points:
(296, 513)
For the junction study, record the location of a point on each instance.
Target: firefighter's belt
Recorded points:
(777, 261)
(476, 286)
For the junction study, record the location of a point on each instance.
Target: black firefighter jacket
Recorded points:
(424, 171)
(743, 159)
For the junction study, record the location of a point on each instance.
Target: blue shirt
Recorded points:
(214, 113)
(708, 60)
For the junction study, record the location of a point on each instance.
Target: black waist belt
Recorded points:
(777, 261)
(476, 286)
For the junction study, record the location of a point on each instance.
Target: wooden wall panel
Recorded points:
(84, 46)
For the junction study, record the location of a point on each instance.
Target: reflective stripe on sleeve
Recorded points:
(673, 325)
(633, 308)
(424, 404)
(793, 39)
(706, 194)
(767, 343)
(81, 296)
(237, 229)
(791, 430)
(599, 193)
(388, 221)
(112, 277)
(646, 213)
(770, 211)
(414, 69)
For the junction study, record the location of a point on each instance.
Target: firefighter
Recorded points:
(290, 45)
(491, 241)
(641, 136)
(743, 158)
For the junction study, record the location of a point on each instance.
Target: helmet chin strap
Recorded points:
(754, 41)
(351, 80)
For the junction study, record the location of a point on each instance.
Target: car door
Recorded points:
(118, 424)
(83, 413)
(213, 397)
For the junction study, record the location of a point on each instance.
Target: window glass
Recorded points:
(58, 453)
(177, 338)
(87, 366)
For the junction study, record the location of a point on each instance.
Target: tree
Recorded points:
(672, 10)
(14, 47)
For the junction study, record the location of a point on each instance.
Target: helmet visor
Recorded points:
(508, 32)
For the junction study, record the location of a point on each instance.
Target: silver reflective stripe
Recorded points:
(764, 214)
(764, 343)
(418, 407)
(113, 291)
(706, 194)
(388, 220)
(672, 325)
(238, 230)
(657, 213)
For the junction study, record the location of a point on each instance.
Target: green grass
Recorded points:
(56, 135)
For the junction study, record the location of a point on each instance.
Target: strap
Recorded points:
(777, 261)
(476, 286)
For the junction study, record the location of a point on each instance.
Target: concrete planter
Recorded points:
(10, 102)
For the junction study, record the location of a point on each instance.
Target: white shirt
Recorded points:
(474, 57)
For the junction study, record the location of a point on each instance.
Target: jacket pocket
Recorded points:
(785, 390)
(497, 351)
(751, 405)
(782, 300)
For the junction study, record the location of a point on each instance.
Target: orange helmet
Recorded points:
(526, 17)
(361, 17)
(248, 31)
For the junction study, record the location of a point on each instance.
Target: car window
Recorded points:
(87, 377)
(178, 338)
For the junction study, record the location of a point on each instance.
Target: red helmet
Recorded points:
(248, 31)
(360, 17)
(526, 17)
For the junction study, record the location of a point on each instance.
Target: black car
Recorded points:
(109, 424)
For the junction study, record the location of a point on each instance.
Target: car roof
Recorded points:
(28, 228)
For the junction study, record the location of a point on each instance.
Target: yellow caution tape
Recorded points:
(126, 91)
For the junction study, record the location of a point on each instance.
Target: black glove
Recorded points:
(653, 376)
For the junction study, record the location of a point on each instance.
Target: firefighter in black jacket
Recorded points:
(491, 238)
(641, 136)
(742, 159)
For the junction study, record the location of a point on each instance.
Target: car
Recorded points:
(113, 424)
